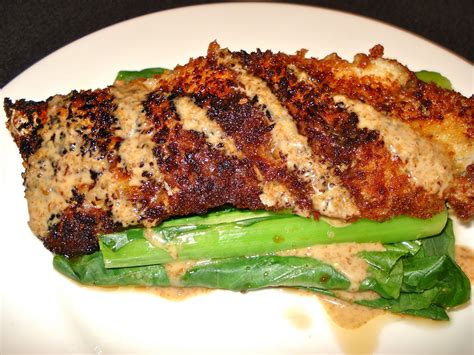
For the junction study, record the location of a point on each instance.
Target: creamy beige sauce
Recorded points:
(355, 328)
(335, 222)
(348, 315)
(136, 150)
(356, 296)
(58, 167)
(175, 270)
(177, 293)
(465, 259)
(157, 240)
(330, 198)
(299, 318)
(196, 118)
(425, 162)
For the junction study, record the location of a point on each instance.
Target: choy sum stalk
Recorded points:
(245, 233)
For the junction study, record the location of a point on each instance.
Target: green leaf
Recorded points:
(433, 311)
(250, 273)
(386, 284)
(116, 241)
(441, 244)
(383, 260)
(90, 270)
(434, 266)
(407, 247)
(385, 271)
(437, 272)
(431, 280)
(417, 304)
(129, 254)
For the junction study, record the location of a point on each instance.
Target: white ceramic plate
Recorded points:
(44, 312)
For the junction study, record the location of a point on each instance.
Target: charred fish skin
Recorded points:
(261, 130)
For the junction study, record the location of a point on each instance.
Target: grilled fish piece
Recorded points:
(323, 137)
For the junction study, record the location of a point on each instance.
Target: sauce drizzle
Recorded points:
(465, 259)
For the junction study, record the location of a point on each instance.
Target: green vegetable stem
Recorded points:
(434, 77)
(245, 233)
(128, 75)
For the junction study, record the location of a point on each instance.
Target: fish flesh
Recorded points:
(261, 130)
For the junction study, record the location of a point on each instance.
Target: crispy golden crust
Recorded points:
(382, 189)
(377, 182)
(442, 115)
(461, 194)
(139, 153)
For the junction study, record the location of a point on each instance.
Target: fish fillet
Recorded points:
(261, 130)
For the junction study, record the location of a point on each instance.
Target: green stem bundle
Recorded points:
(246, 233)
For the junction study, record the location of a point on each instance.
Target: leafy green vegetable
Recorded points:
(386, 268)
(437, 272)
(434, 77)
(255, 272)
(90, 270)
(420, 305)
(385, 281)
(247, 233)
(442, 244)
(128, 75)
(431, 280)
(409, 247)
(238, 274)
(417, 277)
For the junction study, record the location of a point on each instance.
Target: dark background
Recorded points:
(30, 30)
